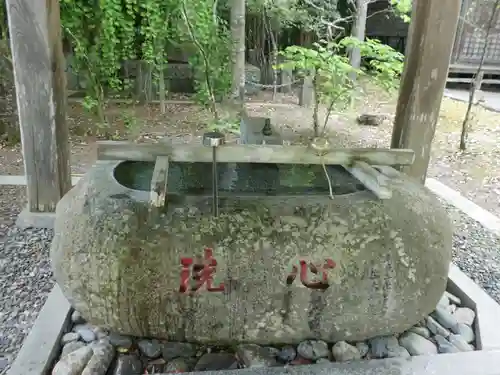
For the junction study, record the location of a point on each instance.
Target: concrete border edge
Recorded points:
(486, 218)
(27, 219)
(41, 346)
(487, 310)
(470, 363)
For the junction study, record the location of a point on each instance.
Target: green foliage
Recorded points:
(333, 72)
(106, 33)
(334, 77)
(211, 58)
(402, 8)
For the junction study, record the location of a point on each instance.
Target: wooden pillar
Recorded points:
(431, 36)
(38, 61)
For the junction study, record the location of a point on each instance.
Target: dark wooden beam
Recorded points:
(38, 60)
(432, 31)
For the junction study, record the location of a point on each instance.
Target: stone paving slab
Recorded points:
(470, 363)
(41, 348)
(487, 310)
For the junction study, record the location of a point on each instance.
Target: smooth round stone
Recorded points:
(150, 348)
(422, 331)
(253, 356)
(286, 354)
(380, 346)
(444, 346)
(121, 341)
(453, 299)
(313, 349)
(436, 328)
(445, 318)
(444, 301)
(363, 348)
(71, 347)
(417, 345)
(465, 315)
(177, 365)
(74, 362)
(69, 337)
(398, 352)
(103, 354)
(86, 333)
(216, 362)
(460, 343)
(127, 364)
(172, 349)
(343, 352)
(77, 318)
(466, 332)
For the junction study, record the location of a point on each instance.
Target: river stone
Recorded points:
(74, 362)
(445, 318)
(380, 346)
(422, 331)
(127, 364)
(150, 348)
(120, 341)
(103, 355)
(252, 355)
(69, 337)
(313, 349)
(171, 350)
(466, 332)
(444, 346)
(216, 362)
(460, 342)
(71, 347)
(118, 261)
(465, 315)
(85, 331)
(416, 344)
(436, 328)
(343, 352)
(363, 348)
(287, 354)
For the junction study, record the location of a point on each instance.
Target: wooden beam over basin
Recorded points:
(244, 153)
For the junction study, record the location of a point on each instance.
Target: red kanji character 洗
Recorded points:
(317, 270)
(196, 274)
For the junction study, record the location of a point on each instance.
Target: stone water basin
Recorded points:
(283, 262)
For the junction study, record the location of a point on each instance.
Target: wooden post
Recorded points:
(38, 61)
(431, 35)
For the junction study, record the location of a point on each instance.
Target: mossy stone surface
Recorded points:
(119, 263)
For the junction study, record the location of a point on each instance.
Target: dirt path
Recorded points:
(475, 173)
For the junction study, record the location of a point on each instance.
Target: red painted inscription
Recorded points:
(305, 268)
(198, 272)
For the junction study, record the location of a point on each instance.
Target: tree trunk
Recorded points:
(358, 32)
(238, 52)
(478, 77)
(161, 87)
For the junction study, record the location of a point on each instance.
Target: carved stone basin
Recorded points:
(282, 262)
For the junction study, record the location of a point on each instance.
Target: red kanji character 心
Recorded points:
(305, 267)
(195, 275)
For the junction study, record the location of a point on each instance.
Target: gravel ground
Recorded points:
(25, 280)
(25, 274)
(476, 251)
